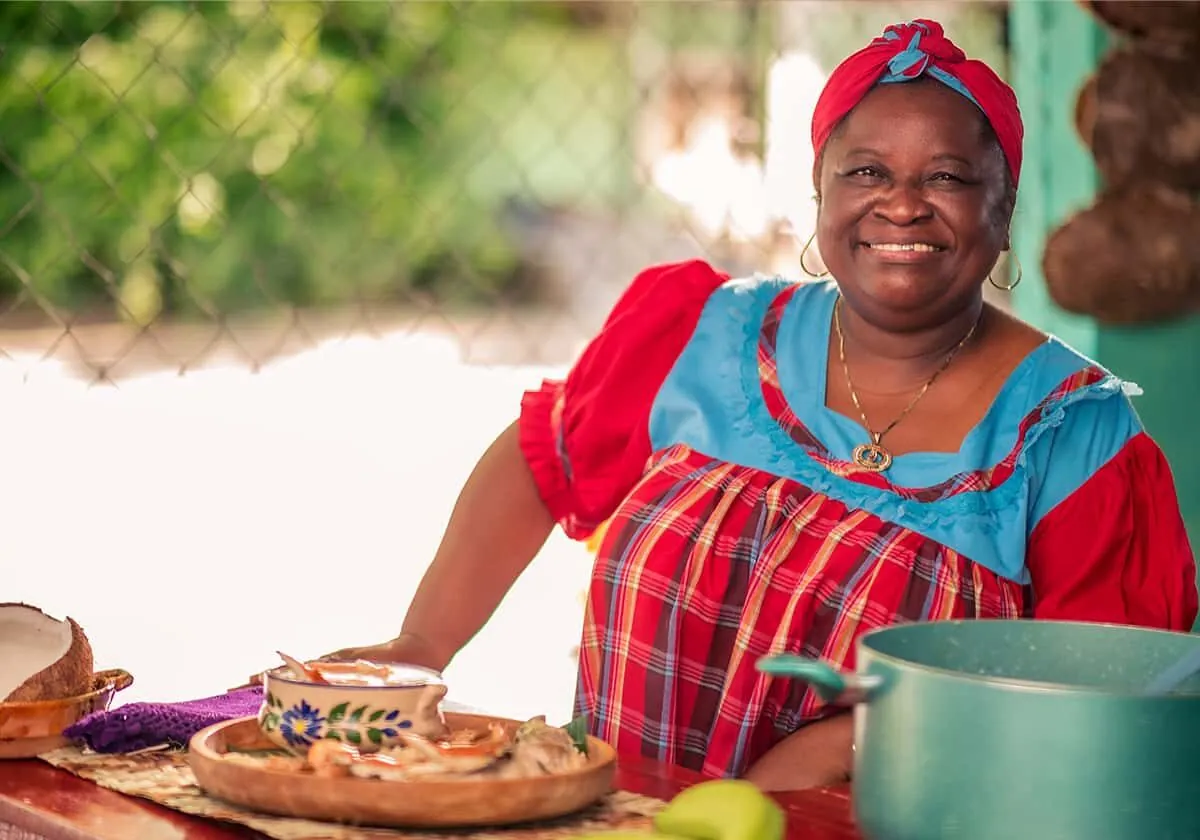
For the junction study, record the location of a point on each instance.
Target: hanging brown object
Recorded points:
(1163, 21)
(1139, 114)
(1132, 258)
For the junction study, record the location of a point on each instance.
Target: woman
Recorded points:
(786, 466)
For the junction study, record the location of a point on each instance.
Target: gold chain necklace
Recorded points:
(872, 456)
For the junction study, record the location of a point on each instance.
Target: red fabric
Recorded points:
(1116, 550)
(587, 438)
(859, 73)
(705, 566)
(708, 566)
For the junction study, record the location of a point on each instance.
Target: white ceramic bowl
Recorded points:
(296, 712)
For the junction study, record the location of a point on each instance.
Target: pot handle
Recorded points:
(831, 685)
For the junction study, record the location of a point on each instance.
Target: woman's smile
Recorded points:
(901, 252)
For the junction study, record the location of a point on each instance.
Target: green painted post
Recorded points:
(1055, 47)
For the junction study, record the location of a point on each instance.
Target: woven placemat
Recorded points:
(166, 778)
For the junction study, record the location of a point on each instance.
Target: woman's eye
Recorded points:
(946, 176)
(865, 172)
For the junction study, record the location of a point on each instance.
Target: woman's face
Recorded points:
(913, 205)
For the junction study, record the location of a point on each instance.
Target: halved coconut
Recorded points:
(41, 657)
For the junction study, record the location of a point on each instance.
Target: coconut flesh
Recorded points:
(41, 657)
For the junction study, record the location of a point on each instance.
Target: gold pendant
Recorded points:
(872, 457)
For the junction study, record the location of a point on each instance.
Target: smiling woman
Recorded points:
(785, 466)
(912, 219)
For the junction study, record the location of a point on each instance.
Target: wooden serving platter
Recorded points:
(32, 728)
(446, 803)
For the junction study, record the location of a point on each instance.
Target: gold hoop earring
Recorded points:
(804, 253)
(992, 280)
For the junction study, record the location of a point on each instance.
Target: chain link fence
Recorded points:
(185, 182)
(360, 229)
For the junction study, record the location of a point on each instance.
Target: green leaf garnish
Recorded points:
(577, 729)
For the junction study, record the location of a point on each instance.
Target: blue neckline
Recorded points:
(987, 442)
(713, 402)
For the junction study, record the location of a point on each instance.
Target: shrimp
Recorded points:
(330, 758)
(495, 741)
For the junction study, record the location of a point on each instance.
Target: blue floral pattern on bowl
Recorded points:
(301, 724)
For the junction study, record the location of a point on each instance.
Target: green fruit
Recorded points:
(625, 835)
(724, 809)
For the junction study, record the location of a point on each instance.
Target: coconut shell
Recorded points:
(1132, 258)
(1165, 21)
(70, 676)
(1140, 116)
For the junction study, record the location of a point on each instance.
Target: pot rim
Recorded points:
(1015, 683)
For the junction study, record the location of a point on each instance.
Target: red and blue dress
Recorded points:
(695, 426)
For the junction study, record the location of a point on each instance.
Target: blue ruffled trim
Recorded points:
(980, 511)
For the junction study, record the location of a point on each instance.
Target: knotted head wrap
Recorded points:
(907, 51)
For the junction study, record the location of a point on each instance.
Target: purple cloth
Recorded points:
(136, 726)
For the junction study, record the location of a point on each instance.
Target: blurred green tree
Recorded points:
(212, 157)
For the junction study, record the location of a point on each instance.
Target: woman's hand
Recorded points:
(819, 755)
(499, 523)
(407, 649)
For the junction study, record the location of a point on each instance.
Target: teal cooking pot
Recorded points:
(1017, 730)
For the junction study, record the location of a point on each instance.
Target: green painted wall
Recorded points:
(1055, 47)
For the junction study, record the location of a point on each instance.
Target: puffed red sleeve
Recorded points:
(586, 437)
(1116, 550)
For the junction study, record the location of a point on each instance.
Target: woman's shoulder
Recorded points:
(769, 288)
(670, 295)
(758, 301)
(1065, 379)
(1048, 373)
(1075, 417)
(1060, 413)
(662, 287)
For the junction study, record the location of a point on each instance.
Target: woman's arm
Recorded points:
(1115, 549)
(580, 444)
(498, 525)
(818, 755)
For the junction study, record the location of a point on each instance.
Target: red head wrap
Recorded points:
(907, 51)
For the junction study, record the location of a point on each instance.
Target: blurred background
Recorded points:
(273, 274)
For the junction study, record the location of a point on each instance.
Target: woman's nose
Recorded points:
(902, 204)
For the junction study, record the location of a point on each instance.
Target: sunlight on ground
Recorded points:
(193, 525)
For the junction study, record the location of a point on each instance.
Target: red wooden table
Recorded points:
(53, 804)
